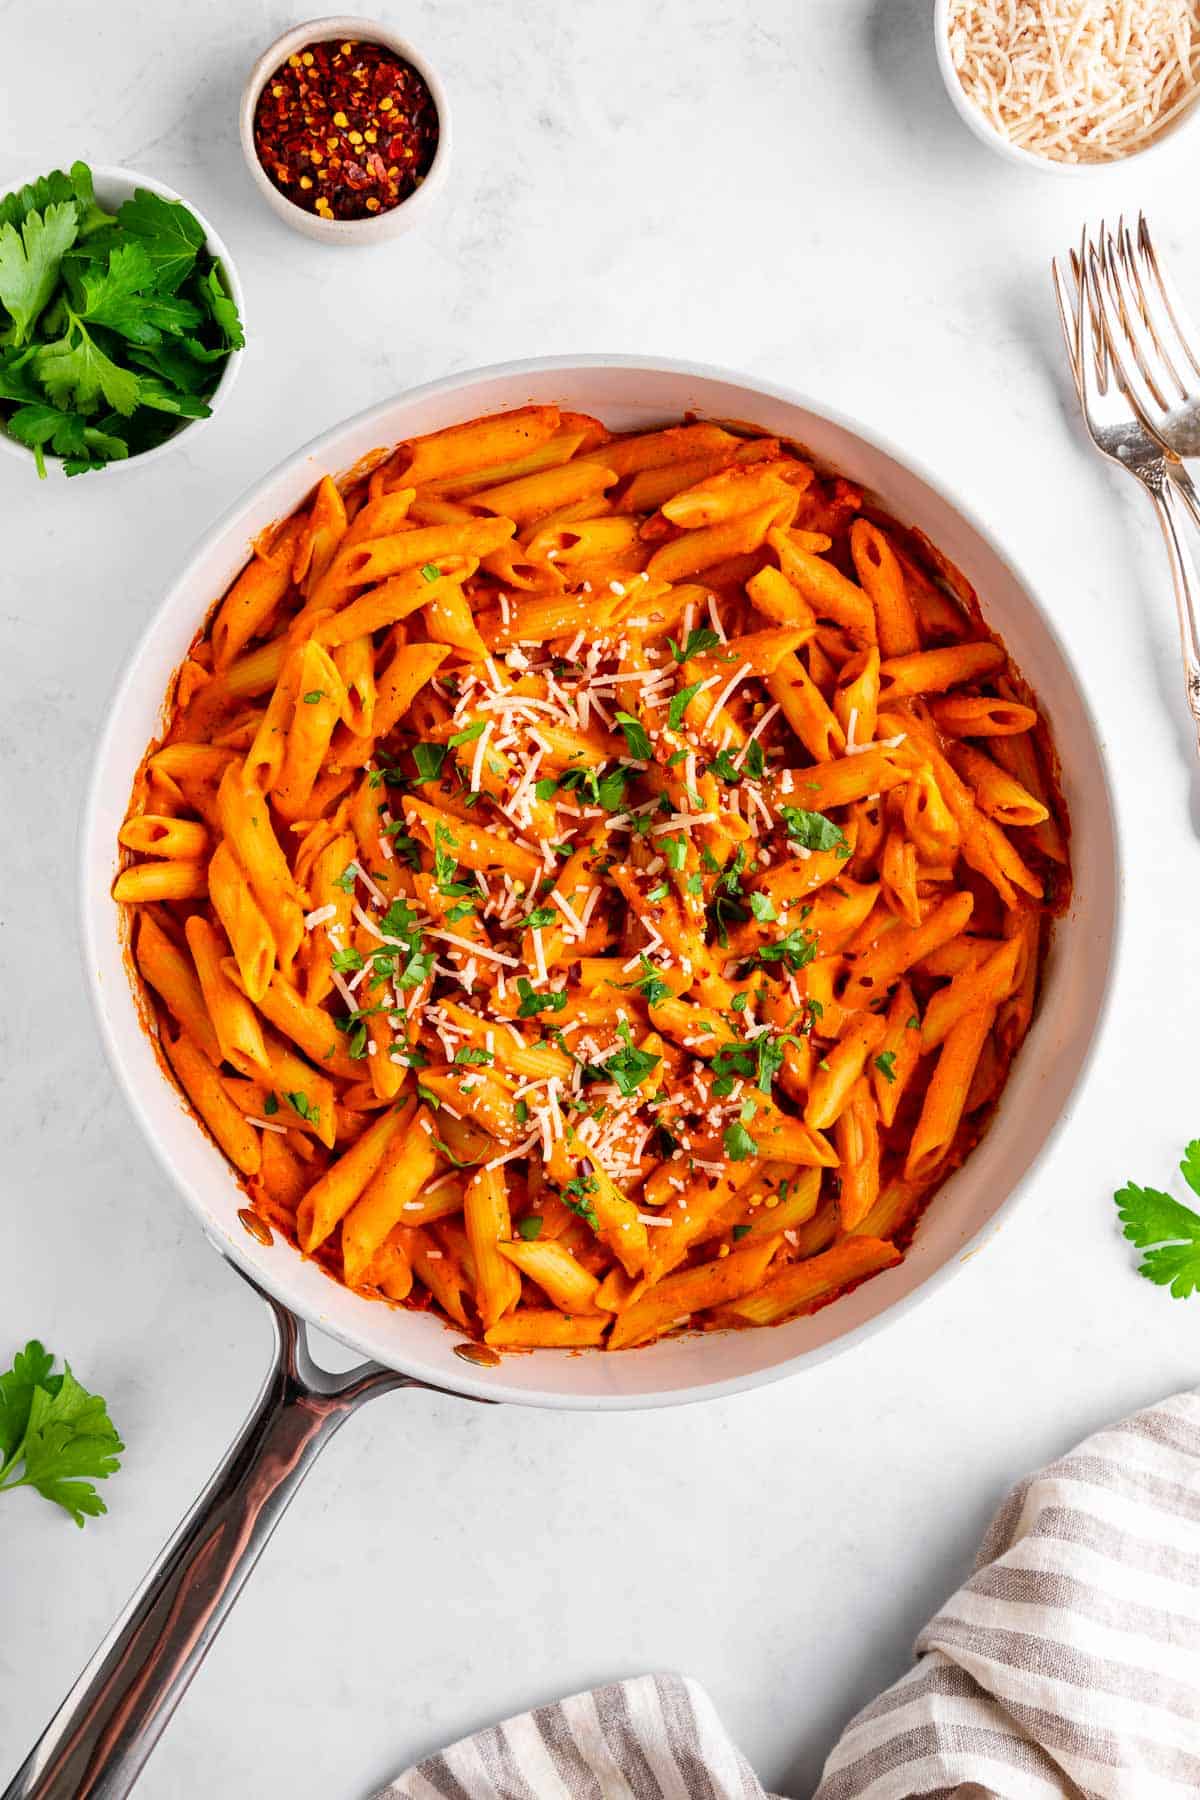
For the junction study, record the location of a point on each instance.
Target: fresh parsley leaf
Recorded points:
(301, 1105)
(468, 734)
(679, 704)
(428, 759)
(541, 916)
(1166, 1229)
(628, 1068)
(55, 1437)
(699, 639)
(533, 1003)
(763, 908)
(30, 259)
(812, 830)
(214, 295)
(738, 1143)
(75, 371)
(346, 962)
(636, 737)
(170, 235)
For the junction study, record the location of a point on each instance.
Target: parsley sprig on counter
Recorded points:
(114, 328)
(54, 1435)
(1166, 1229)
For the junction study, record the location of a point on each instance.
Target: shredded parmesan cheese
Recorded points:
(1077, 81)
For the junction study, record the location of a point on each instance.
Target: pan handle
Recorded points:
(97, 1743)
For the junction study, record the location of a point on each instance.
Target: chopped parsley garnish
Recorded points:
(301, 1105)
(885, 1062)
(428, 759)
(738, 1143)
(406, 847)
(468, 734)
(316, 694)
(699, 639)
(542, 916)
(575, 1197)
(470, 1055)
(347, 879)
(675, 851)
(797, 949)
(695, 883)
(533, 1003)
(813, 831)
(461, 909)
(658, 892)
(530, 1227)
(271, 1105)
(628, 1068)
(679, 704)
(431, 572)
(428, 1096)
(345, 962)
(913, 1024)
(445, 866)
(521, 1112)
(636, 738)
(739, 1232)
(763, 908)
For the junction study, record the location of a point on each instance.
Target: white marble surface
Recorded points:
(785, 189)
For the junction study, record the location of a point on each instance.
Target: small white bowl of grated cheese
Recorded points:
(1071, 85)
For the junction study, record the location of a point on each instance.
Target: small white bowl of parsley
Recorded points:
(120, 320)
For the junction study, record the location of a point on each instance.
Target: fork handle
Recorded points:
(1176, 501)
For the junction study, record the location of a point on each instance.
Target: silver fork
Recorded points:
(1094, 345)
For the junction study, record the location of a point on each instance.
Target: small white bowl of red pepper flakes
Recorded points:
(345, 130)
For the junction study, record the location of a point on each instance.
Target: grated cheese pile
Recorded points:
(1077, 81)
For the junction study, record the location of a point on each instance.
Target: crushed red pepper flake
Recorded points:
(321, 114)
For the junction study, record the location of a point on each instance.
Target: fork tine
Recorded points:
(1086, 330)
(1185, 332)
(1149, 311)
(1068, 319)
(1127, 332)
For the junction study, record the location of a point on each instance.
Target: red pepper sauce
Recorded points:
(346, 130)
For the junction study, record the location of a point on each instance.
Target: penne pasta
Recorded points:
(593, 886)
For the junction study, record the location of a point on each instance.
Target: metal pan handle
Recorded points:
(97, 1743)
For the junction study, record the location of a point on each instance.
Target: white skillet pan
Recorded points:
(99, 1740)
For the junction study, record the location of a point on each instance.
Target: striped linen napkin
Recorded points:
(1068, 1664)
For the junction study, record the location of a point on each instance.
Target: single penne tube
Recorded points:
(318, 703)
(440, 1271)
(309, 1027)
(676, 1297)
(882, 580)
(1018, 756)
(829, 593)
(331, 1197)
(482, 1096)
(844, 779)
(658, 449)
(946, 1095)
(479, 444)
(818, 1278)
(247, 825)
(474, 844)
(984, 983)
(549, 454)
(730, 494)
(689, 1211)
(245, 924)
(835, 1076)
(239, 1033)
(856, 1135)
(321, 533)
(933, 671)
(874, 971)
(152, 834)
(254, 596)
(531, 497)
(393, 600)
(981, 715)
(779, 599)
(441, 1199)
(552, 1267)
(171, 880)
(281, 1175)
(360, 565)
(406, 674)
(170, 972)
(997, 793)
(545, 1328)
(391, 1270)
(306, 1099)
(899, 1051)
(488, 1226)
(856, 699)
(783, 1138)
(354, 661)
(264, 758)
(408, 1162)
(694, 551)
(793, 1202)
(584, 541)
(202, 1085)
